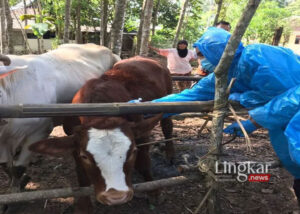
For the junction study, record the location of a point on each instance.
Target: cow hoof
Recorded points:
(69, 209)
(24, 181)
(3, 208)
(155, 197)
(170, 160)
(14, 208)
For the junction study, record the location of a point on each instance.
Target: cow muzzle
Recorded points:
(114, 197)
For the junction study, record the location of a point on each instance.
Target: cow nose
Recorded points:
(114, 197)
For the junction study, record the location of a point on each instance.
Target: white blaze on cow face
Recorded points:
(109, 149)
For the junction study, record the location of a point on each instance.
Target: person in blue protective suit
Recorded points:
(267, 83)
(205, 67)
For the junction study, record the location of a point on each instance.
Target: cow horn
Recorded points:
(5, 59)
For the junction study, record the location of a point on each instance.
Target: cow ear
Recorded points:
(143, 127)
(54, 146)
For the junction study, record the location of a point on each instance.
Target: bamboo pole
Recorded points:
(221, 98)
(86, 191)
(102, 109)
(186, 78)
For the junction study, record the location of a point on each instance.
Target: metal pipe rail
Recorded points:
(104, 109)
(101, 109)
(186, 78)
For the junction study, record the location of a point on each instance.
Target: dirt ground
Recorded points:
(275, 196)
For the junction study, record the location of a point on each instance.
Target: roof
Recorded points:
(21, 5)
(18, 12)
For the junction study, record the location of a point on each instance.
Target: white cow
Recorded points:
(53, 77)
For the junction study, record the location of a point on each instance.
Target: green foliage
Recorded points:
(26, 17)
(39, 29)
(268, 17)
(41, 25)
(168, 14)
(199, 15)
(294, 7)
(193, 26)
(14, 2)
(163, 38)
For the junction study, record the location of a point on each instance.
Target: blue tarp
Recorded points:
(267, 81)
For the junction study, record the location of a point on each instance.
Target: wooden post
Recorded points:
(86, 191)
(221, 98)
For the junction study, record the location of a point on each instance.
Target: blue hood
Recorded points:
(212, 45)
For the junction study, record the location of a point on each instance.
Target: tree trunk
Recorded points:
(78, 36)
(186, 20)
(103, 24)
(146, 28)
(40, 40)
(26, 22)
(220, 2)
(277, 36)
(139, 34)
(67, 20)
(117, 27)
(3, 41)
(221, 99)
(154, 20)
(180, 21)
(9, 27)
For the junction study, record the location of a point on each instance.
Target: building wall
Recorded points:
(91, 38)
(34, 45)
(291, 44)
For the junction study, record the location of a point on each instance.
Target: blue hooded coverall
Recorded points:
(267, 83)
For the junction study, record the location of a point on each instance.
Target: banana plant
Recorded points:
(41, 25)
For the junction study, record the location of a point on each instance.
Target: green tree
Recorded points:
(269, 16)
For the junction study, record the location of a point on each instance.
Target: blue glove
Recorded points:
(235, 128)
(135, 101)
(235, 97)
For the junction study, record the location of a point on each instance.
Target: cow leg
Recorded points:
(296, 187)
(69, 123)
(167, 129)
(143, 162)
(18, 177)
(83, 205)
(4, 167)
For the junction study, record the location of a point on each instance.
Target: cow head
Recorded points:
(105, 148)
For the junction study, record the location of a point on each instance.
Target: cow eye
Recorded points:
(83, 156)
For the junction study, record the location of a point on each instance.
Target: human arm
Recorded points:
(276, 114)
(162, 52)
(202, 91)
(153, 48)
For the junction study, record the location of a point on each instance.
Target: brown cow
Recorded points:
(104, 148)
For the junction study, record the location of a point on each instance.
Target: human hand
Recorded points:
(135, 101)
(235, 97)
(235, 128)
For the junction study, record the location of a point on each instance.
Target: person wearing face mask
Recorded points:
(205, 67)
(178, 61)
